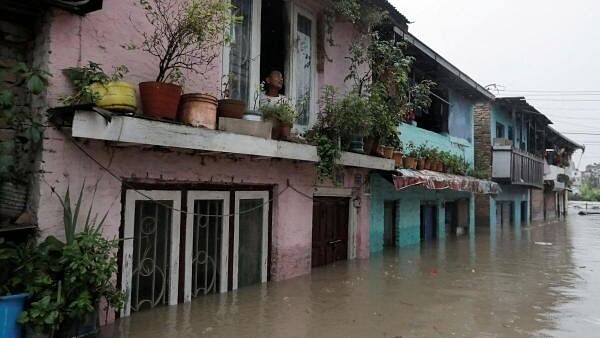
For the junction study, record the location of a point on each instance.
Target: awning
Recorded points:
(405, 178)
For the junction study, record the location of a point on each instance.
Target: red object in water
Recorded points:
(434, 272)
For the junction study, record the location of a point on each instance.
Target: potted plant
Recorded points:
(92, 85)
(228, 107)
(16, 272)
(186, 36)
(409, 160)
(198, 110)
(421, 156)
(72, 276)
(20, 135)
(398, 155)
(282, 115)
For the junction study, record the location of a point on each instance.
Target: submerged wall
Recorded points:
(408, 212)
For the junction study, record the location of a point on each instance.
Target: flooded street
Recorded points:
(539, 281)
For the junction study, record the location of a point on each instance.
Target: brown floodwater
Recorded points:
(541, 281)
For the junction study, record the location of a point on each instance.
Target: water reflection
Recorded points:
(514, 282)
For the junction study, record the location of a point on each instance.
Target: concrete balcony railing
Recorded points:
(513, 166)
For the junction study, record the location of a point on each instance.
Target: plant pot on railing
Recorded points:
(280, 130)
(410, 162)
(427, 165)
(198, 110)
(10, 311)
(398, 159)
(160, 100)
(371, 146)
(388, 152)
(230, 108)
(115, 95)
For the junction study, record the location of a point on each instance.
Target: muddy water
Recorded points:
(539, 281)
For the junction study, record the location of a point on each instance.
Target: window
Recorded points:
(241, 57)
(303, 65)
(436, 118)
(288, 46)
(510, 133)
(499, 130)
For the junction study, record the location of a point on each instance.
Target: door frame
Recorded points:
(352, 214)
(204, 195)
(131, 196)
(240, 195)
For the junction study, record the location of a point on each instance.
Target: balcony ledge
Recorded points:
(134, 130)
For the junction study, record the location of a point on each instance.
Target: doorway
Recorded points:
(389, 224)
(428, 222)
(330, 230)
(524, 215)
(451, 218)
(219, 242)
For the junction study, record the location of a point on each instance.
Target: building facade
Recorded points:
(404, 209)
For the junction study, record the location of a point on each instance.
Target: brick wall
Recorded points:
(483, 157)
(483, 138)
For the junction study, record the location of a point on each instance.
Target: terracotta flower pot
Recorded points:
(421, 164)
(388, 152)
(160, 100)
(398, 159)
(427, 164)
(284, 131)
(230, 108)
(410, 163)
(199, 110)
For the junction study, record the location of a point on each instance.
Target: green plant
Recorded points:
(186, 35)
(281, 111)
(72, 276)
(420, 96)
(82, 78)
(20, 115)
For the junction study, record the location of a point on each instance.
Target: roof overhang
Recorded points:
(520, 104)
(432, 180)
(553, 136)
(459, 79)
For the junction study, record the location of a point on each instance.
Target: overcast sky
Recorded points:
(548, 51)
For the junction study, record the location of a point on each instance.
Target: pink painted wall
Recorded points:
(98, 37)
(65, 165)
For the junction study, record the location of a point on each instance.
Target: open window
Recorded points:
(274, 35)
(436, 118)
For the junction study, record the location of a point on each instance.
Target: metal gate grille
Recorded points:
(206, 259)
(151, 247)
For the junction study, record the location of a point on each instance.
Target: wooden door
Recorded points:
(330, 230)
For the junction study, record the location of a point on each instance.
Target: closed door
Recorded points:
(150, 265)
(330, 230)
(428, 223)
(251, 233)
(206, 243)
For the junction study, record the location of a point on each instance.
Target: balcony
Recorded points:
(556, 176)
(142, 131)
(512, 166)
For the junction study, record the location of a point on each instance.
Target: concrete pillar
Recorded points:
(472, 214)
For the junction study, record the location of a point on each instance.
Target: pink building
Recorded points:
(203, 211)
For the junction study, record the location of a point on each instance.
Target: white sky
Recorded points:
(524, 46)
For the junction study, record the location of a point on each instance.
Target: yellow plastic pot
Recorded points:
(118, 95)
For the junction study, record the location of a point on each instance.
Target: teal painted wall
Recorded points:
(455, 145)
(505, 117)
(515, 194)
(408, 211)
(460, 117)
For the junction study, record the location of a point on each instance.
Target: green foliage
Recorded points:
(589, 192)
(420, 96)
(66, 280)
(186, 35)
(20, 116)
(281, 111)
(82, 78)
(361, 13)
